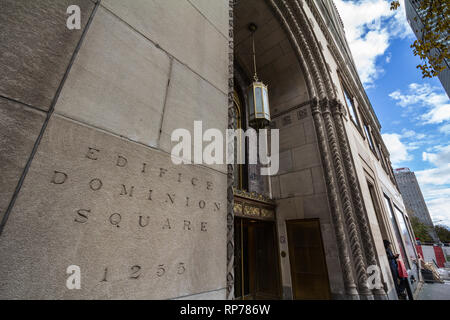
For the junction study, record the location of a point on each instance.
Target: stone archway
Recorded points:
(354, 243)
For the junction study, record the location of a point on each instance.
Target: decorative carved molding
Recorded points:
(315, 48)
(267, 214)
(253, 205)
(237, 209)
(251, 211)
(335, 206)
(253, 196)
(230, 177)
(296, 47)
(344, 192)
(342, 65)
(360, 211)
(300, 28)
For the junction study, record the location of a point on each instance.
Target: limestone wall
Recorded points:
(99, 190)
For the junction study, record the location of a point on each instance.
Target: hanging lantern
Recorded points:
(257, 95)
(258, 103)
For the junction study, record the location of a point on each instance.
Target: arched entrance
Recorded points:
(317, 178)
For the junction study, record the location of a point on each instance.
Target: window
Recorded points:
(239, 169)
(397, 232)
(381, 155)
(378, 212)
(351, 106)
(369, 136)
(406, 235)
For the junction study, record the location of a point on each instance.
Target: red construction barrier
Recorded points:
(440, 259)
(419, 250)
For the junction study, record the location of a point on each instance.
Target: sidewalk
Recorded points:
(435, 291)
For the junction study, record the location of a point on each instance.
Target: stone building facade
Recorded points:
(87, 178)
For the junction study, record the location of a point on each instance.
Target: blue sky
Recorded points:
(414, 113)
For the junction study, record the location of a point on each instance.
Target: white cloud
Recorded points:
(369, 25)
(415, 140)
(437, 200)
(412, 134)
(439, 158)
(438, 114)
(422, 94)
(397, 149)
(388, 57)
(435, 176)
(435, 183)
(445, 129)
(434, 99)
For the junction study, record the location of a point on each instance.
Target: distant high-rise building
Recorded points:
(413, 198)
(416, 18)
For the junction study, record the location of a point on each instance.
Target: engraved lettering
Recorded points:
(150, 194)
(194, 181)
(162, 171)
(135, 272)
(171, 197)
(105, 274)
(167, 225)
(95, 184)
(179, 177)
(203, 226)
(115, 219)
(181, 268)
(217, 206)
(187, 224)
(202, 204)
(187, 201)
(121, 161)
(82, 215)
(144, 165)
(141, 223)
(124, 191)
(59, 177)
(209, 185)
(161, 270)
(91, 154)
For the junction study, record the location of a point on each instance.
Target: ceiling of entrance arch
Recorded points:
(276, 62)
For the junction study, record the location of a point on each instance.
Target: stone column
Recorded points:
(338, 223)
(352, 229)
(367, 241)
(230, 179)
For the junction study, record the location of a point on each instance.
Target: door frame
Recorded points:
(277, 263)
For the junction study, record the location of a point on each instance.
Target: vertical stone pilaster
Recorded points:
(338, 223)
(360, 213)
(347, 206)
(230, 177)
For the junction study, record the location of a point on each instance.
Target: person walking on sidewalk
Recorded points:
(403, 280)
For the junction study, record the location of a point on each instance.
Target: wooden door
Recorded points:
(266, 275)
(308, 266)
